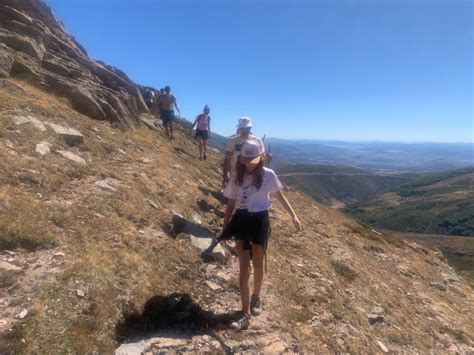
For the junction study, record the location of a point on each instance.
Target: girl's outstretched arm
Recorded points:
(282, 199)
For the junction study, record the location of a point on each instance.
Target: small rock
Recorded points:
(196, 219)
(59, 254)
(102, 184)
(177, 166)
(153, 204)
(147, 161)
(438, 286)
(43, 148)
(141, 231)
(375, 318)
(21, 120)
(37, 123)
(9, 267)
(9, 144)
(9, 252)
(382, 346)
(23, 314)
(377, 310)
(72, 157)
(80, 293)
(213, 286)
(70, 135)
(448, 278)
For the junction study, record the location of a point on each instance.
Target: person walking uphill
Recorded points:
(166, 104)
(234, 145)
(203, 131)
(246, 218)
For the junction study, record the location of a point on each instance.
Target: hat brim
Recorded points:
(248, 126)
(250, 160)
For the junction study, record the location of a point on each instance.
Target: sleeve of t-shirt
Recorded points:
(231, 189)
(274, 184)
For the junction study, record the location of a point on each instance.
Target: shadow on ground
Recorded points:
(218, 195)
(175, 312)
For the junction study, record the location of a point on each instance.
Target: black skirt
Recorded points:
(251, 227)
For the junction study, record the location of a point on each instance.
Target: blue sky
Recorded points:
(335, 69)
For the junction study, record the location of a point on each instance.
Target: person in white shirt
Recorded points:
(233, 147)
(246, 219)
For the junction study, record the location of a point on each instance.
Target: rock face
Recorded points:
(35, 46)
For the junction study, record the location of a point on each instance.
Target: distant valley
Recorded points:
(337, 186)
(441, 203)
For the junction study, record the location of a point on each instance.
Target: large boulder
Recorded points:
(35, 46)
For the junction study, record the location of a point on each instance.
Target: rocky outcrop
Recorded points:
(35, 46)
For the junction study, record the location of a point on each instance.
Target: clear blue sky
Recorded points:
(335, 69)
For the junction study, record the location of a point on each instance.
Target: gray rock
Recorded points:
(204, 243)
(153, 204)
(213, 286)
(196, 219)
(382, 346)
(9, 267)
(377, 310)
(71, 157)
(23, 314)
(6, 61)
(438, 286)
(21, 120)
(448, 278)
(102, 184)
(37, 123)
(43, 148)
(375, 318)
(70, 135)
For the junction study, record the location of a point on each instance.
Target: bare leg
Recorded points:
(200, 148)
(258, 254)
(244, 277)
(204, 141)
(171, 129)
(167, 130)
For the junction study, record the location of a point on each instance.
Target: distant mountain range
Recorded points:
(377, 156)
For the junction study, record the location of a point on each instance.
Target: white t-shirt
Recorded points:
(248, 197)
(234, 145)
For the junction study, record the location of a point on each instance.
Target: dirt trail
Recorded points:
(22, 274)
(262, 336)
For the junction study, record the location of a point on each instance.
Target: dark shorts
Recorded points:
(167, 116)
(251, 227)
(202, 133)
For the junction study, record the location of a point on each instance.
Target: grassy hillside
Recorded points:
(85, 269)
(337, 186)
(440, 203)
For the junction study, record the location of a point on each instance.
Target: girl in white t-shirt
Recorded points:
(246, 219)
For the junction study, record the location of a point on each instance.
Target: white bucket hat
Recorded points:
(244, 122)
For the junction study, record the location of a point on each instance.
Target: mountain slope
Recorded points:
(96, 250)
(337, 186)
(435, 204)
(35, 46)
(117, 249)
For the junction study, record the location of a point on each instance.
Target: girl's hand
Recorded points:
(297, 223)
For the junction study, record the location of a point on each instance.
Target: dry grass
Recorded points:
(119, 253)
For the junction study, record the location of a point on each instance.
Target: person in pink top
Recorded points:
(203, 131)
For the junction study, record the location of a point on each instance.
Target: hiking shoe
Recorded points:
(200, 158)
(204, 157)
(255, 305)
(242, 323)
